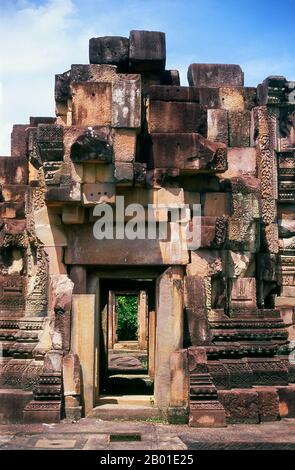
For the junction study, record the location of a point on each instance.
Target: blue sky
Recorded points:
(39, 38)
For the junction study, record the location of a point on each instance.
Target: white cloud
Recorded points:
(34, 43)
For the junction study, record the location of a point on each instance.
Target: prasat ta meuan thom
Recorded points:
(210, 338)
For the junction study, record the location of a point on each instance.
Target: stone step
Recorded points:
(142, 400)
(128, 412)
(126, 345)
(144, 377)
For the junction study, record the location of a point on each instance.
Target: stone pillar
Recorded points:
(169, 329)
(79, 277)
(152, 342)
(142, 320)
(112, 312)
(83, 331)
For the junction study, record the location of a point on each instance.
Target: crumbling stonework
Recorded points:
(220, 325)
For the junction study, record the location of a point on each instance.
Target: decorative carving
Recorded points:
(50, 142)
(36, 301)
(91, 146)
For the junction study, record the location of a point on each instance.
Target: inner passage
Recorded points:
(128, 338)
(127, 329)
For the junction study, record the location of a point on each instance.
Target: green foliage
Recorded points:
(127, 318)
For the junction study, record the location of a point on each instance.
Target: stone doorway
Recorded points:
(127, 338)
(163, 287)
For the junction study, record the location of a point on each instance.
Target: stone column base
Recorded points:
(42, 412)
(207, 414)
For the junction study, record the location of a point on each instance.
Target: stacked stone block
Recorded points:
(125, 127)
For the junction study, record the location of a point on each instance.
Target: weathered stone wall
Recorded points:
(125, 127)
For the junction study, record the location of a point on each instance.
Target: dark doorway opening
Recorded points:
(127, 308)
(127, 332)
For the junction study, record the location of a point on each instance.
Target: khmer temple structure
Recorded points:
(215, 323)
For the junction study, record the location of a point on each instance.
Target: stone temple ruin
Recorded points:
(215, 324)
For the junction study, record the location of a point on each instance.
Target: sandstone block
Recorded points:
(209, 97)
(194, 292)
(112, 50)
(36, 120)
(197, 329)
(51, 235)
(269, 371)
(217, 125)
(241, 161)
(285, 301)
(118, 252)
(92, 104)
(215, 75)
(73, 214)
(179, 378)
(206, 414)
(268, 403)
(169, 196)
(174, 93)
(250, 97)
(239, 128)
(92, 73)
(147, 51)
(62, 87)
(124, 145)
(243, 292)
(98, 193)
(71, 375)
(105, 173)
(13, 170)
(126, 110)
(186, 151)
(232, 98)
(288, 291)
(124, 174)
(18, 140)
(173, 116)
(42, 412)
(216, 204)
(205, 263)
(241, 406)
(78, 276)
